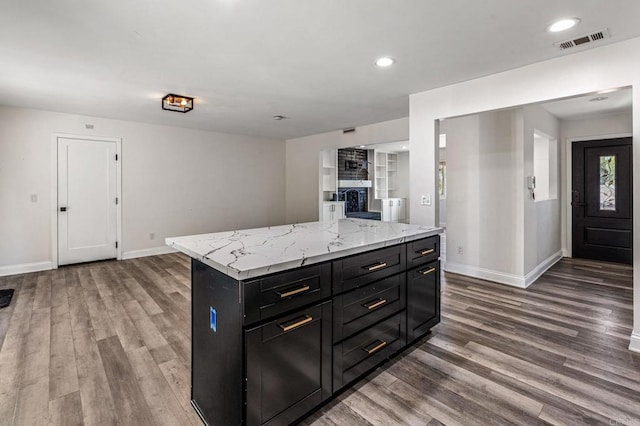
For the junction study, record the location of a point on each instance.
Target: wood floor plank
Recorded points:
(32, 407)
(164, 405)
(96, 398)
(130, 404)
(63, 373)
(66, 410)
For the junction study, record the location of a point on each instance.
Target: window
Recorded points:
(442, 179)
(608, 182)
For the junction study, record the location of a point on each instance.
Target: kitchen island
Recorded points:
(285, 317)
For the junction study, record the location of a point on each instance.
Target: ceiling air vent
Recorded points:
(598, 35)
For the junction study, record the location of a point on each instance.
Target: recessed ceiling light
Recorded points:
(361, 146)
(385, 62)
(563, 24)
(599, 98)
(404, 147)
(279, 117)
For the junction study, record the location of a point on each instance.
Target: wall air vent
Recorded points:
(598, 35)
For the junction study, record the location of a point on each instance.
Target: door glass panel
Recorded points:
(608, 182)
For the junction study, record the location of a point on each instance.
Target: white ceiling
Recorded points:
(247, 60)
(586, 106)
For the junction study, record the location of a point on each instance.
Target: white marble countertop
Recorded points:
(252, 253)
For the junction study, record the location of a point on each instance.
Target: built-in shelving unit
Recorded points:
(328, 178)
(386, 171)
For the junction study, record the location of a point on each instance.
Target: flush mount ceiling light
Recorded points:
(177, 103)
(563, 25)
(385, 62)
(279, 117)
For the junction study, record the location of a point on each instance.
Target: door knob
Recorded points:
(63, 209)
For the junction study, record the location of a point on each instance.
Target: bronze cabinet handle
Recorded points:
(376, 267)
(292, 292)
(425, 252)
(375, 303)
(296, 323)
(376, 348)
(427, 271)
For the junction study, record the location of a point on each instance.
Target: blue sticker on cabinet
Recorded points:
(213, 319)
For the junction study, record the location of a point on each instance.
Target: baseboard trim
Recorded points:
(634, 342)
(485, 274)
(148, 252)
(532, 276)
(25, 268)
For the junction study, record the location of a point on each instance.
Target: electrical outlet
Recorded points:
(34, 198)
(460, 250)
(152, 236)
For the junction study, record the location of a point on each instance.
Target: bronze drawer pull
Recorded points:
(376, 267)
(427, 271)
(292, 292)
(297, 323)
(375, 303)
(376, 348)
(425, 252)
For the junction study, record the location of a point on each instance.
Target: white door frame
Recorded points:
(569, 181)
(54, 189)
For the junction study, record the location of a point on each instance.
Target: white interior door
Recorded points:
(87, 204)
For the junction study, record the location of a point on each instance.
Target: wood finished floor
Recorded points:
(108, 343)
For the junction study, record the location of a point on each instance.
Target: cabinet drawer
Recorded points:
(360, 353)
(423, 305)
(360, 308)
(423, 251)
(365, 268)
(288, 366)
(276, 294)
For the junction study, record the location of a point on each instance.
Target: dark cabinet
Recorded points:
(358, 354)
(269, 350)
(360, 308)
(288, 366)
(423, 299)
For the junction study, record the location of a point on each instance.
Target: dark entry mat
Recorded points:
(5, 297)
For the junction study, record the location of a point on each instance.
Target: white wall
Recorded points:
(583, 129)
(176, 181)
(302, 156)
(586, 71)
(402, 184)
(542, 226)
(483, 158)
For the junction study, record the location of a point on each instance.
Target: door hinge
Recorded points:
(116, 200)
(116, 244)
(116, 157)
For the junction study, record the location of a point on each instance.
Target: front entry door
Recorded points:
(87, 210)
(602, 200)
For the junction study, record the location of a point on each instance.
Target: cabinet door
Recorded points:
(423, 299)
(402, 209)
(394, 209)
(288, 366)
(387, 205)
(339, 212)
(326, 211)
